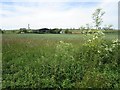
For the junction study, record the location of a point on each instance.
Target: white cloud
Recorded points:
(53, 15)
(111, 12)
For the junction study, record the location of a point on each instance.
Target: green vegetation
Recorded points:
(0, 61)
(67, 58)
(97, 17)
(60, 60)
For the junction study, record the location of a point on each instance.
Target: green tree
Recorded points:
(97, 17)
(108, 27)
(82, 28)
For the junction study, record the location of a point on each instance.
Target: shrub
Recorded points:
(100, 60)
(68, 31)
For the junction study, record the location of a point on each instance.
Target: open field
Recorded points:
(59, 60)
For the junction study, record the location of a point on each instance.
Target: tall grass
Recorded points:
(59, 61)
(0, 60)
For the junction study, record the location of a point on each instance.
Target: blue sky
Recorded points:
(16, 14)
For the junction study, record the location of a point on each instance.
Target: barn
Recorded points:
(43, 30)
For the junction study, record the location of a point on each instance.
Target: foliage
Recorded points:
(97, 17)
(108, 27)
(47, 61)
(68, 31)
(100, 59)
(23, 30)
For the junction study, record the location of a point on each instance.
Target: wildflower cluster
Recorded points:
(62, 46)
(99, 47)
(112, 46)
(115, 43)
(64, 50)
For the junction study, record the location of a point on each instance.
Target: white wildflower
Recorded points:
(98, 51)
(89, 40)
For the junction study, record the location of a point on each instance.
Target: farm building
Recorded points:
(46, 30)
(43, 30)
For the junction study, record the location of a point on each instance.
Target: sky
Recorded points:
(15, 14)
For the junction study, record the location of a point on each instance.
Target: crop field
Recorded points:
(60, 61)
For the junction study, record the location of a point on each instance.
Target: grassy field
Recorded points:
(0, 70)
(58, 61)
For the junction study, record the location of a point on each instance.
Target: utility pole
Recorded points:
(28, 26)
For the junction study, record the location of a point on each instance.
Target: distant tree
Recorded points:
(108, 27)
(82, 28)
(23, 30)
(97, 17)
(68, 31)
